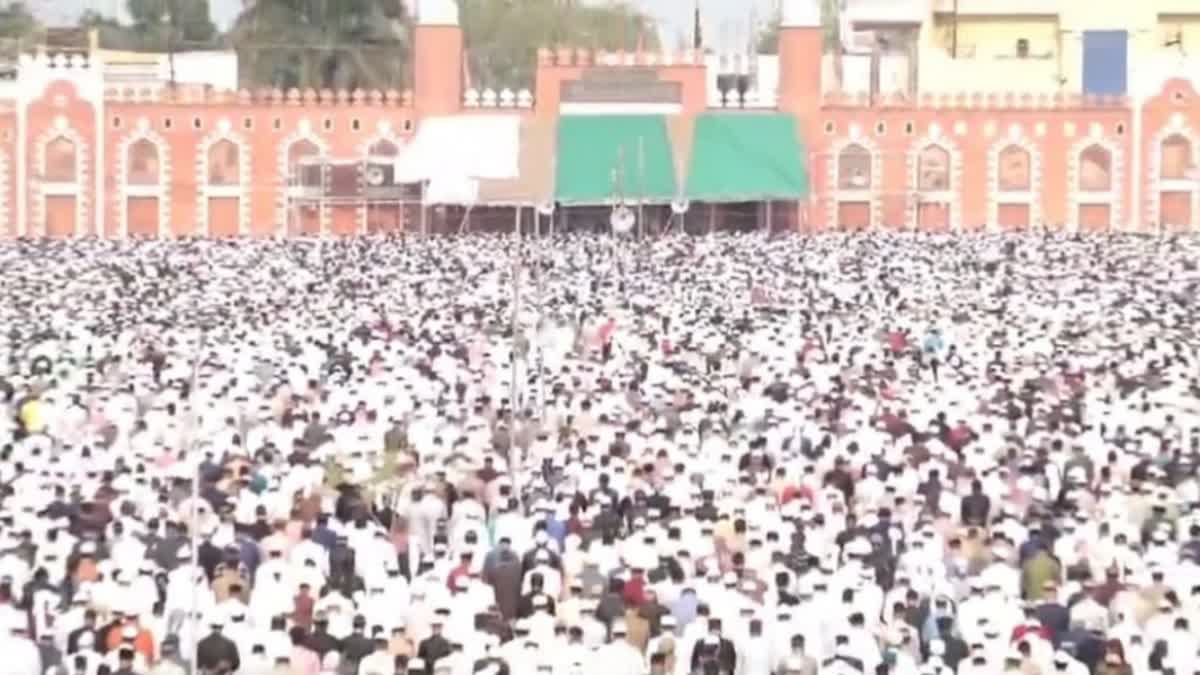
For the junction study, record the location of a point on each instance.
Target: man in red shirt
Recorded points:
(463, 569)
(634, 592)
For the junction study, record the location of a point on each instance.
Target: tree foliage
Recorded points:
(503, 36)
(367, 43)
(18, 26)
(334, 44)
(157, 26)
(350, 44)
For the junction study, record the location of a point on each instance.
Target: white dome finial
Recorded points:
(800, 14)
(437, 13)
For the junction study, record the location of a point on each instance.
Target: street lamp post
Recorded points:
(194, 538)
(514, 329)
(169, 20)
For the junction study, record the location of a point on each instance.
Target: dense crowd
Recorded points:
(730, 455)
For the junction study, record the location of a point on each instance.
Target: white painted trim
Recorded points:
(61, 129)
(223, 131)
(1176, 126)
(144, 131)
(141, 191)
(223, 190)
(304, 132)
(1112, 196)
(1095, 197)
(1176, 185)
(951, 196)
(22, 183)
(39, 71)
(98, 118)
(1031, 197)
(620, 109)
(60, 189)
(1139, 147)
(4, 222)
(384, 132)
(871, 194)
(1155, 69)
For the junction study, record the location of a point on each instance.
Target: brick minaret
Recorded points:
(437, 58)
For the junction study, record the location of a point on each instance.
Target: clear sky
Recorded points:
(726, 23)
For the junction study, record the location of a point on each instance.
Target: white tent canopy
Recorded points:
(454, 153)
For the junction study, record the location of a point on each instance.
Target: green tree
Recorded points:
(157, 26)
(335, 44)
(18, 28)
(503, 36)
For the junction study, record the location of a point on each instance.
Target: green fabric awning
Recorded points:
(591, 147)
(746, 157)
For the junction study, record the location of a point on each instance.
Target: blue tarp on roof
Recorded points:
(1105, 62)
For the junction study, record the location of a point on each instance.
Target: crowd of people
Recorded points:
(863, 454)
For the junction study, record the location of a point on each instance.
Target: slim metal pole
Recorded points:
(954, 32)
(170, 17)
(515, 328)
(641, 184)
(195, 517)
(424, 220)
(538, 272)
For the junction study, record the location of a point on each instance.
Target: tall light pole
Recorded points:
(169, 20)
(192, 446)
(514, 329)
(641, 185)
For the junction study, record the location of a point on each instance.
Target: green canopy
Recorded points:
(593, 150)
(746, 157)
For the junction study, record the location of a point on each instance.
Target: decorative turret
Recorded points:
(801, 46)
(800, 14)
(438, 58)
(437, 13)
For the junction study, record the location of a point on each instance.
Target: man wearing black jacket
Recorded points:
(217, 652)
(89, 626)
(357, 645)
(715, 648)
(321, 641)
(976, 507)
(436, 646)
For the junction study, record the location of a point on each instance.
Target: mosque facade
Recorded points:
(81, 154)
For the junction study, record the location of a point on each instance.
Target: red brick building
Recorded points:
(80, 155)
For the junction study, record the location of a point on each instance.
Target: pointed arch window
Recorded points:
(854, 168)
(933, 169)
(61, 155)
(1014, 166)
(1095, 169)
(224, 167)
(143, 163)
(301, 167)
(1176, 157)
